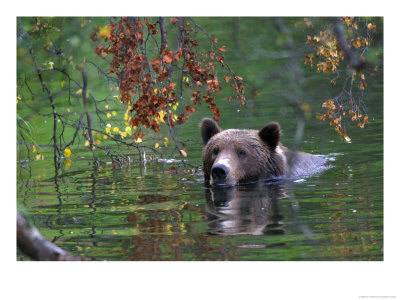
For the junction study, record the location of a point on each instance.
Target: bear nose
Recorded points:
(219, 172)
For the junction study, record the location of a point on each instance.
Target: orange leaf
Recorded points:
(222, 49)
(174, 20)
(167, 59)
(183, 152)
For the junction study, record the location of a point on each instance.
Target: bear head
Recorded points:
(236, 156)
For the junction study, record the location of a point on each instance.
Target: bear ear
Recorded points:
(208, 129)
(271, 135)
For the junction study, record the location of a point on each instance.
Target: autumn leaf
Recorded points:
(222, 49)
(356, 44)
(68, 163)
(67, 152)
(371, 26)
(105, 31)
(167, 59)
(183, 152)
(153, 88)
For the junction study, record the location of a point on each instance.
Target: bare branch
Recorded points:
(50, 96)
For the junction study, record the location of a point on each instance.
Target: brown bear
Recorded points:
(237, 156)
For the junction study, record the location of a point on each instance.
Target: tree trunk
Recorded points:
(34, 245)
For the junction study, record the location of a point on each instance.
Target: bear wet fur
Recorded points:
(235, 156)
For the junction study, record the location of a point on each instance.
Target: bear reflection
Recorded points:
(247, 209)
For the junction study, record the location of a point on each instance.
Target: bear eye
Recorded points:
(241, 153)
(215, 150)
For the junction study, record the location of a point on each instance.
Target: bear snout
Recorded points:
(219, 172)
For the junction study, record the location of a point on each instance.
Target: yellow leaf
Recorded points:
(128, 130)
(87, 143)
(156, 145)
(34, 149)
(105, 137)
(123, 134)
(138, 140)
(68, 163)
(108, 130)
(105, 31)
(114, 113)
(38, 156)
(108, 115)
(115, 129)
(166, 142)
(347, 139)
(67, 152)
(79, 92)
(107, 106)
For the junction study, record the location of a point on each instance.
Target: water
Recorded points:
(156, 211)
(150, 212)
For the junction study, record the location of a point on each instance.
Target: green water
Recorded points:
(145, 211)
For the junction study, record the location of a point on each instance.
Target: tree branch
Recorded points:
(50, 96)
(163, 29)
(354, 60)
